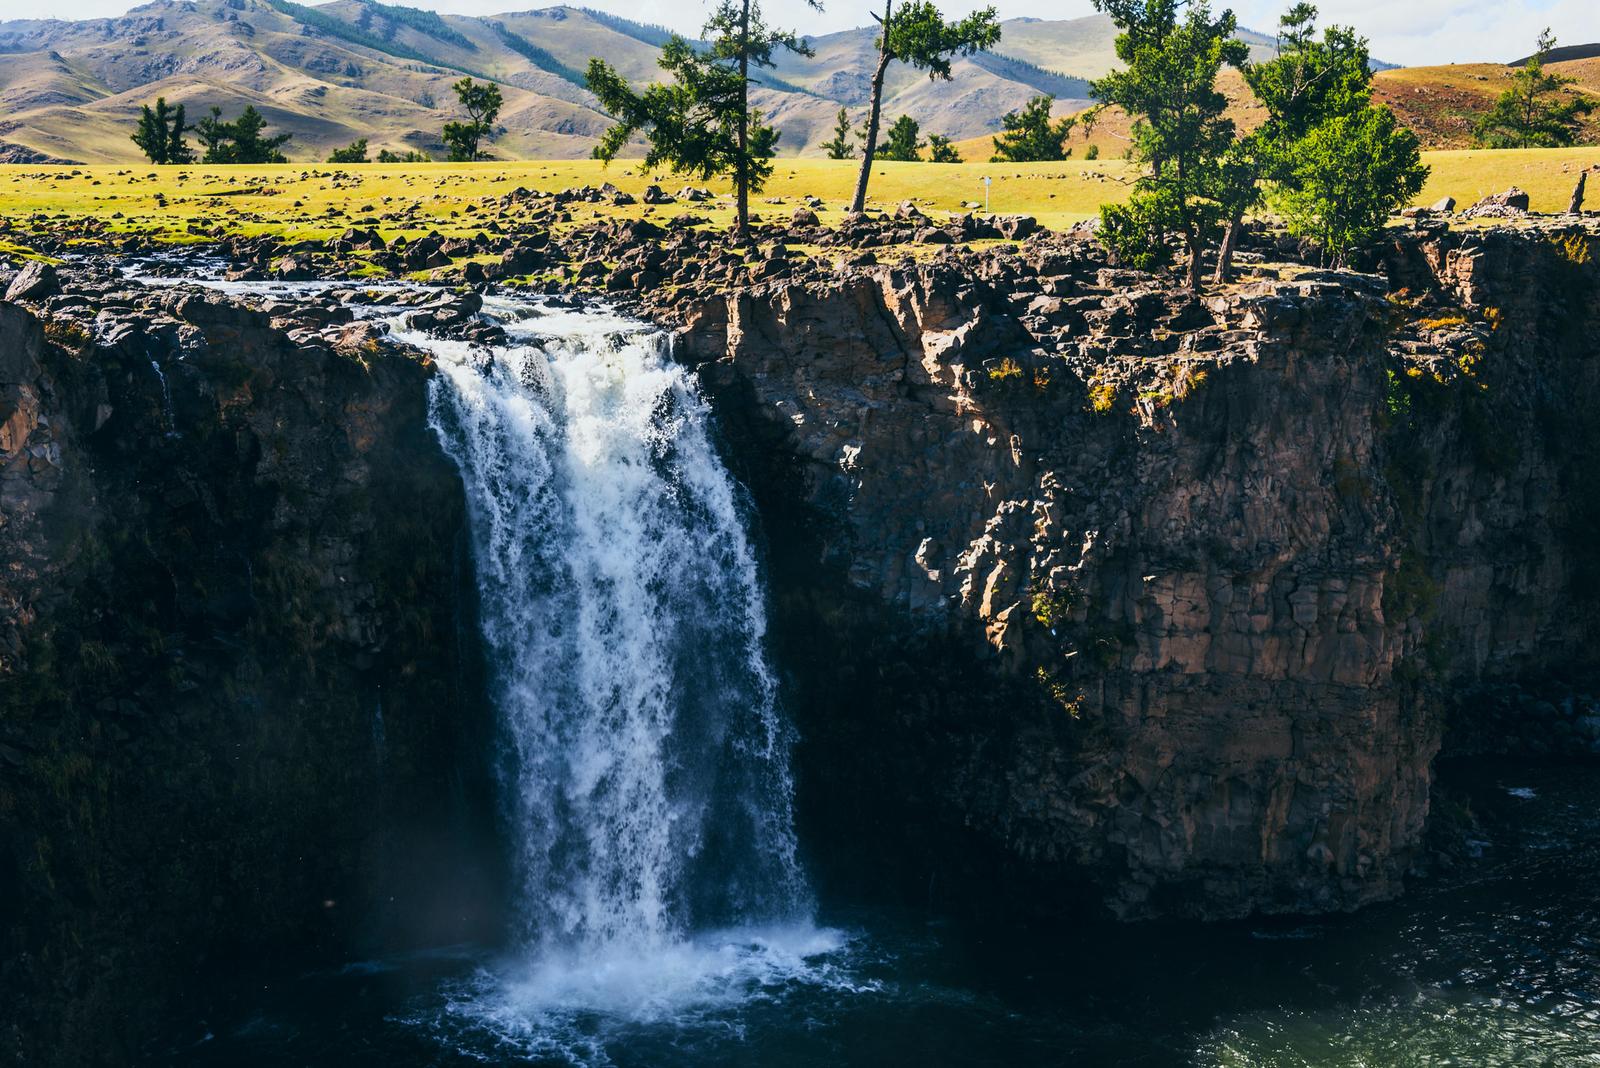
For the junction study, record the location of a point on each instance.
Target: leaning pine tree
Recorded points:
(918, 34)
(701, 122)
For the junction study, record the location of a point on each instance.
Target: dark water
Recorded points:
(1494, 963)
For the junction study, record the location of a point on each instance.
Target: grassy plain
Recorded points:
(317, 200)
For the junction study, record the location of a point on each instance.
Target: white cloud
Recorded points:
(1408, 31)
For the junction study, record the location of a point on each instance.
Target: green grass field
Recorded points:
(319, 200)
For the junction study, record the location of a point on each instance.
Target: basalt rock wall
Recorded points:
(1089, 578)
(238, 707)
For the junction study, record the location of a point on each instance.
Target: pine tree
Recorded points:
(1168, 85)
(840, 147)
(918, 34)
(940, 150)
(1526, 117)
(482, 101)
(701, 122)
(160, 133)
(355, 152)
(240, 141)
(903, 142)
(1029, 135)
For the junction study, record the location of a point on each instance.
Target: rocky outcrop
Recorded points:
(237, 714)
(1163, 591)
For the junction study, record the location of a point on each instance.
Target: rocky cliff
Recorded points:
(1086, 576)
(1085, 589)
(238, 712)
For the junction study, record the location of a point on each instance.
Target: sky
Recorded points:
(1413, 32)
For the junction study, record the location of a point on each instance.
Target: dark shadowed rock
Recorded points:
(35, 281)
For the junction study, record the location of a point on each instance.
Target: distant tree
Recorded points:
(1349, 173)
(903, 143)
(160, 133)
(355, 152)
(240, 141)
(701, 122)
(409, 156)
(482, 101)
(840, 147)
(1029, 136)
(1168, 85)
(1525, 116)
(940, 150)
(918, 34)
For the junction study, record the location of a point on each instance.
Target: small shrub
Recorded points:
(1102, 395)
(1007, 369)
(1052, 607)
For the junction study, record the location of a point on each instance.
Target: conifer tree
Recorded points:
(240, 141)
(160, 133)
(1029, 135)
(840, 147)
(1168, 84)
(701, 122)
(918, 34)
(482, 102)
(903, 143)
(940, 150)
(1527, 115)
(354, 152)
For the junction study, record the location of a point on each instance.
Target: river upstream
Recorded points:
(661, 911)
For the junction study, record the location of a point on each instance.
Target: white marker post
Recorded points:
(987, 181)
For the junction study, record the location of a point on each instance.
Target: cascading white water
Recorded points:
(646, 763)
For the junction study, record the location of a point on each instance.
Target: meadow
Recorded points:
(296, 201)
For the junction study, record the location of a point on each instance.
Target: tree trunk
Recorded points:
(741, 171)
(870, 145)
(1575, 206)
(1191, 238)
(1230, 238)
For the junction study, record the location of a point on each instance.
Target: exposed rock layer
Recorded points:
(1165, 592)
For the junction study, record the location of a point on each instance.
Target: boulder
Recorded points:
(34, 282)
(1443, 205)
(1510, 204)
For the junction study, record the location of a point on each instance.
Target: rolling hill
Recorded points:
(335, 72)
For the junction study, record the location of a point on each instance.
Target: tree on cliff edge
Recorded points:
(918, 34)
(1168, 85)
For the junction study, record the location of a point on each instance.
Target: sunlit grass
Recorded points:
(297, 201)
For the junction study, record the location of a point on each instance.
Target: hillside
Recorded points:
(359, 68)
(1441, 104)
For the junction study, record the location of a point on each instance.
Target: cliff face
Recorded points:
(237, 713)
(1171, 593)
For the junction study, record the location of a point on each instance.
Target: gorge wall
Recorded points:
(1085, 590)
(239, 714)
(1081, 575)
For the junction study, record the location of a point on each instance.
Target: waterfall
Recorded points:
(644, 758)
